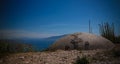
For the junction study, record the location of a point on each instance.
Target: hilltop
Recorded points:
(82, 41)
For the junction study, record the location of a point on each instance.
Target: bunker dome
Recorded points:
(82, 41)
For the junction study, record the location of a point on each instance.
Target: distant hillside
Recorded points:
(53, 37)
(41, 43)
(38, 44)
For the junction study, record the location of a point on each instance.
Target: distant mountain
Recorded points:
(38, 44)
(42, 43)
(53, 37)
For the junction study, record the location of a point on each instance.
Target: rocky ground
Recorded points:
(60, 57)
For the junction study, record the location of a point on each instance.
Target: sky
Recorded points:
(45, 18)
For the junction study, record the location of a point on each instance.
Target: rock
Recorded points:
(26, 62)
(22, 57)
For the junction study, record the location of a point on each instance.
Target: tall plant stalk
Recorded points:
(107, 30)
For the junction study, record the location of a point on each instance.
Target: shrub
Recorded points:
(116, 52)
(82, 60)
(11, 46)
(107, 30)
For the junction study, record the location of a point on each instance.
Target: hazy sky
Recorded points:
(43, 18)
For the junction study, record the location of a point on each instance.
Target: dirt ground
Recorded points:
(64, 57)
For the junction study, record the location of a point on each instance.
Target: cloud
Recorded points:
(8, 34)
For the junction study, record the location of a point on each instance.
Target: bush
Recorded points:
(11, 46)
(82, 60)
(108, 31)
(116, 52)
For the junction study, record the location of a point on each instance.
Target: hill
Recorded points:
(82, 41)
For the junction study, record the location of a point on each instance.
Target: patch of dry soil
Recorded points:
(58, 57)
